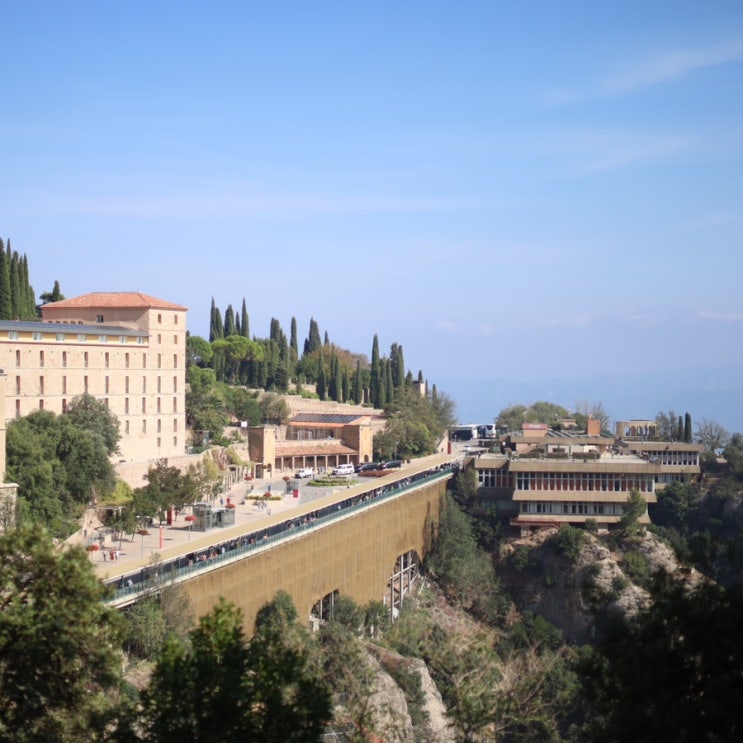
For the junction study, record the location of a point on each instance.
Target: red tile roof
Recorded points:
(311, 449)
(121, 300)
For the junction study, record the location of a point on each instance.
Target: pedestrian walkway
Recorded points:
(167, 541)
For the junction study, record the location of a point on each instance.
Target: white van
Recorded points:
(344, 469)
(305, 472)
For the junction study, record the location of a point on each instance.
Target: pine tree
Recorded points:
(55, 295)
(326, 342)
(244, 321)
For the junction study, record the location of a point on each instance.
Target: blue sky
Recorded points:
(533, 199)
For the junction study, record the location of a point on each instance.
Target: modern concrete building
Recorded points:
(545, 478)
(124, 348)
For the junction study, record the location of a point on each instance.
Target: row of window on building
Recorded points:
(107, 386)
(562, 508)
(14, 335)
(127, 411)
(687, 458)
(570, 481)
(106, 360)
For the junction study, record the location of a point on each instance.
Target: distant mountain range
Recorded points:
(712, 393)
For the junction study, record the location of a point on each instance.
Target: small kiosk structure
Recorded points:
(208, 517)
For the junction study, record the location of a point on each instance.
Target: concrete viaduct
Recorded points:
(365, 544)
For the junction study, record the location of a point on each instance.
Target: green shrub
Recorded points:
(520, 558)
(568, 541)
(637, 568)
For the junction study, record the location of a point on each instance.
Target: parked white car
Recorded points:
(305, 472)
(344, 469)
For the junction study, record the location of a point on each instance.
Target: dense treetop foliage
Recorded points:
(222, 369)
(59, 660)
(61, 462)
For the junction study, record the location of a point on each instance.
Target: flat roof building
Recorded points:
(566, 477)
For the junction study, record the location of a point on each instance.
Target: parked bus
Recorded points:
(463, 433)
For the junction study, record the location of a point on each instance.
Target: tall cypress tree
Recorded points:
(15, 288)
(376, 383)
(338, 381)
(216, 329)
(293, 338)
(275, 332)
(688, 434)
(6, 306)
(229, 322)
(332, 389)
(29, 296)
(313, 342)
(322, 384)
(345, 385)
(244, 321)
(358, 393)
(389, 388)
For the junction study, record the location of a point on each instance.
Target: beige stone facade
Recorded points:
(124, 348)
(8, 490)
(318, 440)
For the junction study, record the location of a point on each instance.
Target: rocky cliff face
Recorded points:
(570, 592)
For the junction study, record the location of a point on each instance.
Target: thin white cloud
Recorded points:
(599, 150)
(448, 326)
(671, 65)
(656, 69)
(726, 317)
(628, 149)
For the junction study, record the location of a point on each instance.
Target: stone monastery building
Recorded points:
(124, 348)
